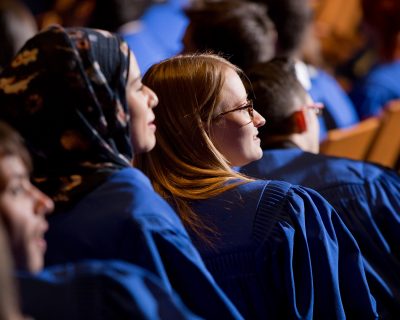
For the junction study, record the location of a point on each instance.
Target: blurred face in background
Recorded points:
(23, 208)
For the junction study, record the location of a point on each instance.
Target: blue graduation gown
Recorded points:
(339, 110)
(281, 252)
(98, 290)
(125, 219)
(379, 86)
(367, 198)
(160, 34)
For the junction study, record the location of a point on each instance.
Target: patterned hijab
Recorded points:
(65, 92)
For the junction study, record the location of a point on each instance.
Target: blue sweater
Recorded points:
(339, 110)
(379, 86)
(367, 198)
(281, 252)
(125, 219)
(98, 290)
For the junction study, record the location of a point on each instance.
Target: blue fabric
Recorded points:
(339, 110)
(379, 86)
(125, 219)
(281, 252)
(367, 198)
(98, 290)
(160, 35)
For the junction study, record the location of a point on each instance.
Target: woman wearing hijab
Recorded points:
(85, 290)
(279, 251)
(76, 97)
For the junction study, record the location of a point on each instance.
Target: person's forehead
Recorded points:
(12, 166)
(233, 84)
(232, 78)
(233, 91)
(134, 70)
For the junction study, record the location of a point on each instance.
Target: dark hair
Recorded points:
(240, 31)
(112, 14)
(11, 144)
(291, 19)
(276, 91)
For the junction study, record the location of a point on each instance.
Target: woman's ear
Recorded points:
(300, 121)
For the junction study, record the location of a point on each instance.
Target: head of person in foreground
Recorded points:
(22, 206)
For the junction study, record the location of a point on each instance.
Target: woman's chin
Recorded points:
(145, 147)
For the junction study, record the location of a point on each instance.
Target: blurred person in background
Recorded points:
(17, 24)
(381, 84)
(23, 207)
(240, 31)
(293, 21)
(152, 28)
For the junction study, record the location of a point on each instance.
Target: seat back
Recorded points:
(352, 142)
(385, 148)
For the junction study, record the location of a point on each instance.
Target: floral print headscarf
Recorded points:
(65, 93)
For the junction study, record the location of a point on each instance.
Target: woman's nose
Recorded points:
(153, 99)
(258, 119)
(43, 205)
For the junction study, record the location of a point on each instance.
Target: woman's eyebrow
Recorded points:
(138, 78)
(19, 176)
(242, 102)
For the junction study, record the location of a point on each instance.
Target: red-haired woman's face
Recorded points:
(235, 134)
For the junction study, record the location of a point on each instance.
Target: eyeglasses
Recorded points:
(247, 106)
(316, 107)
